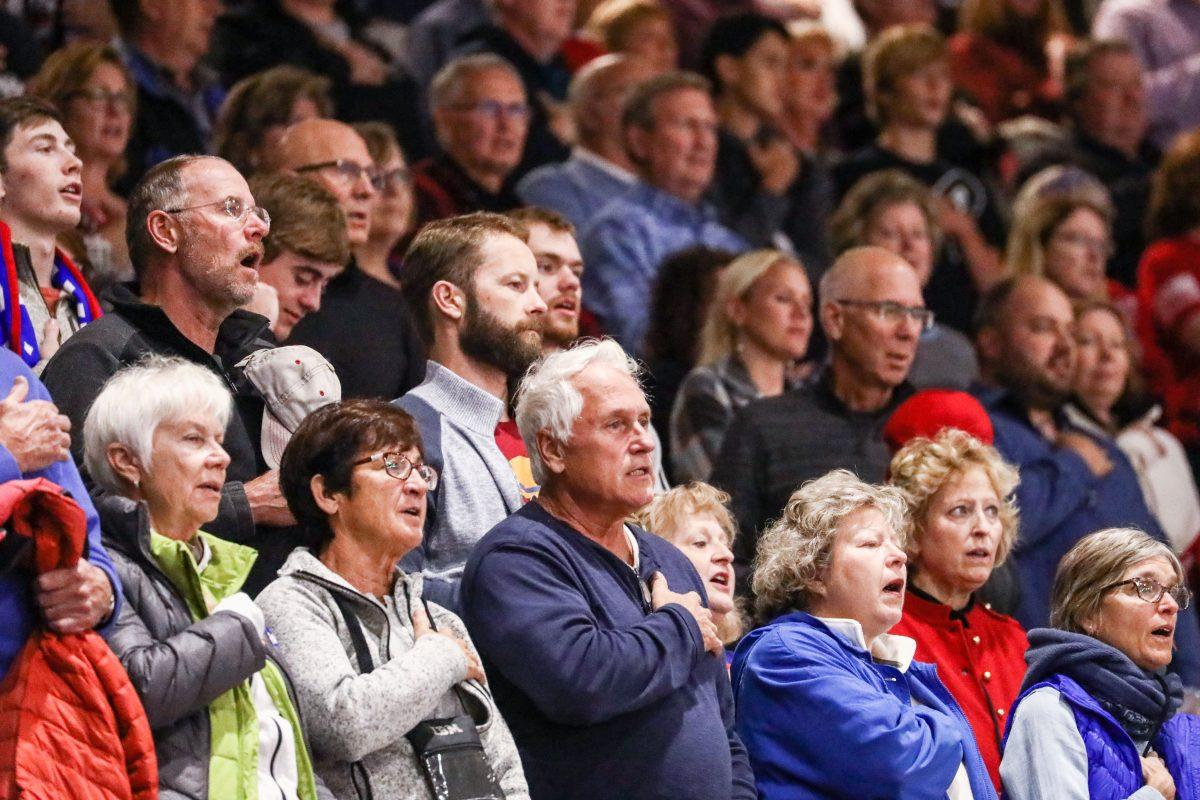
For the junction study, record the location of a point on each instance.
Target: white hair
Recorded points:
(138, 399)
(547, 400)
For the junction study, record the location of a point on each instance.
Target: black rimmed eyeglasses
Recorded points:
(400, 468)
(893, 313)
(1152, 591)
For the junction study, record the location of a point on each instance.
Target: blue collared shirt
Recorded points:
(626, 243)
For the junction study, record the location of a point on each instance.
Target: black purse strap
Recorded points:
(358, 773)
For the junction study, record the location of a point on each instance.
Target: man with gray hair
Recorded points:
(599, 167)
(873, 314)
(670, 130)
(480, 120)
(601, 653)
(195, 238)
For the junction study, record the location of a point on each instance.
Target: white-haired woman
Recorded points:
(695, 518)
(758, 326)
(193, 644)
(828, 703)
(958, 493)
(1097, 715)
(602, 656)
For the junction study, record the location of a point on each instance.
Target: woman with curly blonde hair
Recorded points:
(958, 491)
(695, 518)
(829, 704)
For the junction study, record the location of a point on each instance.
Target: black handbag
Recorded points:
(448, 749)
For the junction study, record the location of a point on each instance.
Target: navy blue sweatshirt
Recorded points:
(605, 697)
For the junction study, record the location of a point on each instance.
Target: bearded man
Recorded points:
(470, 283)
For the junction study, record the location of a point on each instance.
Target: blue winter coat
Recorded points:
(1114, 765)
(821, 719)
(16, 600)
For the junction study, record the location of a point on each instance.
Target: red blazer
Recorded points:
(980, 656)
(71, 724)
(1000, 81)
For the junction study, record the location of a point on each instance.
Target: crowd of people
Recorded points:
(599, 399)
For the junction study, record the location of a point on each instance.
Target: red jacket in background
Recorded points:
(71, 724)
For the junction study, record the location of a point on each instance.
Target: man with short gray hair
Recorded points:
(480, 119)
(601, 653)
(195, 237)
(873, 314)
(670, 129)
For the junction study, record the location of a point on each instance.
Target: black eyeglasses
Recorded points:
(893, 313)
(1152, 591)
(349, 171)
(400, 468)
(233, 206)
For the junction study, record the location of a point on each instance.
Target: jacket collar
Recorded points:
(239, 330)
(897, 651)
(924, 606)
(302, 563)
(464, 402)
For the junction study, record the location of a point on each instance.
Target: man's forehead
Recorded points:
(503, 252)
(684, 102)
(544, 240)
(492, 83)
(1042, 300)
(214, 175)
(606, 389)
(894, 281)
(36, 128)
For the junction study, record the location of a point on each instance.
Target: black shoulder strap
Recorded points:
(365, 664)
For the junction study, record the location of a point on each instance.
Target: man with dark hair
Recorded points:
(50, 299)
(670, 130)
(163, 43)
(195, 239)
(599, 167)
(530, 36)
(363, 304)
(1071, 483)
(560, 266)
(764, 189)
(470, 283)
(307, 247)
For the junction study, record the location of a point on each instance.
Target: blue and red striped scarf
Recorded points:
(16, 329)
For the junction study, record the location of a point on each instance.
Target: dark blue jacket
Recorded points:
(606, 698)
(1114, 765)
(16, 593)
(1061, 501)
(821, 720)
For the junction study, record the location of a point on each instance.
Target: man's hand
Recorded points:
(267, 505)
(775, 162)
(34, 432)
(661, 595)
(76, 599)
(1155, 773)
(1093, 454)
(421, 627)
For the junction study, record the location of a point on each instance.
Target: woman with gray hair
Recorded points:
(829, 581)
(1097, 714)
(193, 644)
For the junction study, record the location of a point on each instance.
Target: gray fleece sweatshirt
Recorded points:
(351, 716)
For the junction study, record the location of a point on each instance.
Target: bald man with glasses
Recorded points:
(872, 312)
(363, 326)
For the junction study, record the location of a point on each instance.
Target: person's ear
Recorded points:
(328, 502)
(637, 143)
(125, 464)
(833, 320)
(988, 344)
(728, 71)
(448, 300)
(552, 451)
(163, 230)
(735, 311)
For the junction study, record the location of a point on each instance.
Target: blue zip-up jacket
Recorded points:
(17, 608)
(822, 719)
(606, 697)
(1114, 764)
(1061, 501)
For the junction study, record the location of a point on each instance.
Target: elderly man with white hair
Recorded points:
(600, 651)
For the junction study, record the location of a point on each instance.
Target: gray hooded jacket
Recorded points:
(355, 717)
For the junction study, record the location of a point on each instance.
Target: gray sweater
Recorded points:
(457, 421)
(351, 716)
